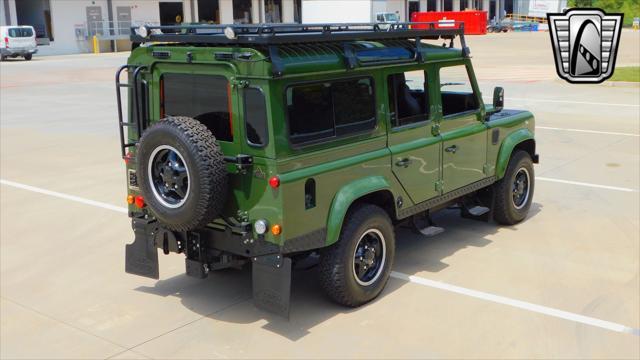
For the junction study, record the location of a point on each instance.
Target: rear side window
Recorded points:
(255, 117)
(202, 97)
(20, 32)
(326, 110)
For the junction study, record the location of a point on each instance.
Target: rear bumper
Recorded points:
(207, 250)
(17, 52)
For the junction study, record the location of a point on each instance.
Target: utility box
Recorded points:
(475, 22)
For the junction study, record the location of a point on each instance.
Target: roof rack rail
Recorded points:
(274, 34)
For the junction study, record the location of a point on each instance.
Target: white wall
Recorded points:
(336, 11)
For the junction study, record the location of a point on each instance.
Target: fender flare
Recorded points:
(508, 144)
(345, 197)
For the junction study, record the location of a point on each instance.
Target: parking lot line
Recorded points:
(608, 325)
(64, 196)
(574, 102)
(585, 184)
(588, 131)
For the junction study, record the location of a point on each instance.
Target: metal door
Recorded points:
(124, 20)
(94, 20)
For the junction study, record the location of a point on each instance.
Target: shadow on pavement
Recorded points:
(309, 305)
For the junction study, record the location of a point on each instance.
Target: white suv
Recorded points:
(17, 41)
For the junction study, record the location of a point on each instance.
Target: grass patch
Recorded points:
(629, 73)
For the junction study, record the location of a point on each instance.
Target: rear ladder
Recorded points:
(138, 103)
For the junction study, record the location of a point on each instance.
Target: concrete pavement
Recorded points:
(64, 293)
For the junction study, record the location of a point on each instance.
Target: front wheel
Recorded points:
(28, 57)
(514, 192)
(354, 270)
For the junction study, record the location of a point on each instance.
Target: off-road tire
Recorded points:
(206, 170)
(28, 57)
(336, 274)
(505, 211)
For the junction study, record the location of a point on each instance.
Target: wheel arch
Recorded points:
(522, 139)
(374, 190)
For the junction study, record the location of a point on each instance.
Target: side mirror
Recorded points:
(498, 99)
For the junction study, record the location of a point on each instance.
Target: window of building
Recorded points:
(202, 97)
(456, 91)
(326, 110)
(408, 99)
(242, 11)
(36, 13)
(273, 11)
(209, 11)
(255, 117)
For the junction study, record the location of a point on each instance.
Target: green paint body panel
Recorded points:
(346, 196)
(346, 168)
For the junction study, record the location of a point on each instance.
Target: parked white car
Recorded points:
(17, 41)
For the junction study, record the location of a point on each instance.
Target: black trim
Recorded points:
(309, 241)
(452, 195)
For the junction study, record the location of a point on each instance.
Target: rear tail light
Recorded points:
(274, 182)
(139, 202)
(6, 41)
(131, 199)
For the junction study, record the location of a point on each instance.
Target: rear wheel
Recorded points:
(28, 57)
(514, 192)
(354, 270)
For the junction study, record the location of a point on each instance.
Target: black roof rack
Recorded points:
(275, 34)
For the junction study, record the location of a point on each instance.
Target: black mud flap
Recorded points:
(272, 283)
(141, 256)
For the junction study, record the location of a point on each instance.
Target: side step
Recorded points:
(425, 225)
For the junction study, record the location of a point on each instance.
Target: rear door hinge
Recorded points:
(439, 185)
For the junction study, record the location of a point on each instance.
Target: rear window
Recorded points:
(326, 110)
(255, 116)
(20, 32)
(202, 97)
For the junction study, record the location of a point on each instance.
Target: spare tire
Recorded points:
(181, 173)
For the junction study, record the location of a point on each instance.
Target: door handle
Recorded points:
(404, 162)
(451, 149)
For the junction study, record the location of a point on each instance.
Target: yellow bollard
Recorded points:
(96, 46)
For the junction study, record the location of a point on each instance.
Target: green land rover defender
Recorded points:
(266, 144)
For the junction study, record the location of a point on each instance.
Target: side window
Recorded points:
(255, 117)
(456, 91)
(326, 110)
(202, 97)
(408, 99)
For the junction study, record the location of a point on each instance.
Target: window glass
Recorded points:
(408, 100)
(330, 109)
(20, 32)
(202, 97)
(456, 90)
(255, 116)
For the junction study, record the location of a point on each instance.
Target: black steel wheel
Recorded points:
(169, 176)
(354, 270)
(514, 192)
(182, 173)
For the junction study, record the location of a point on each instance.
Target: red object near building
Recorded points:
(475, 22)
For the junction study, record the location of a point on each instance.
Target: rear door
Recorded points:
(21, 37)
(415, 150)
(463, 131)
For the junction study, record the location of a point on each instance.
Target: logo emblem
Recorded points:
(585, 44)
